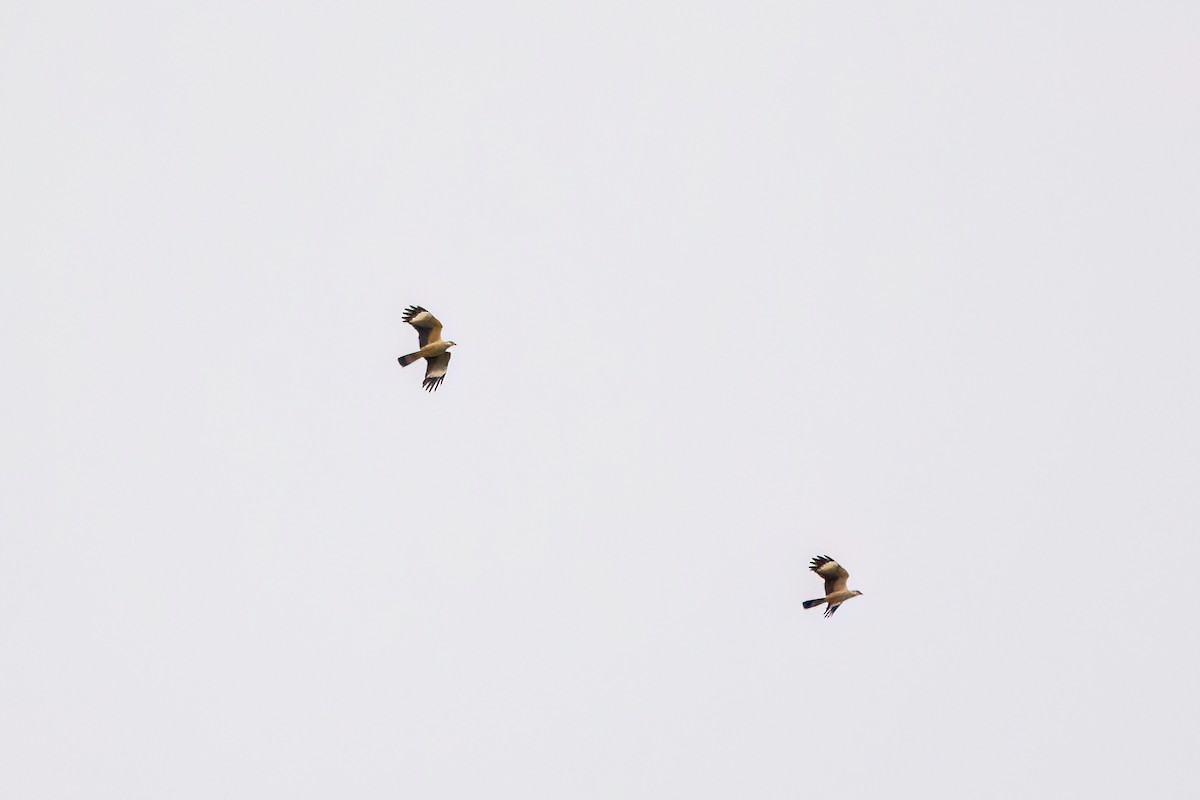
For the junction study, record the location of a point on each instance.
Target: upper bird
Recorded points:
(435, 352)
(835, 577)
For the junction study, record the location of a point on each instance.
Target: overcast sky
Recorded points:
(733, 285)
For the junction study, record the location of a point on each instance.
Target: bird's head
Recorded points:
(449, 345)
(857, 592)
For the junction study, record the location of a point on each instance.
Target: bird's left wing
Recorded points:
(435, 371)
(834, 574)
(427, 325)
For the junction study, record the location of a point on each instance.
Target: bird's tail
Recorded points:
(408, 359)
(811, 603)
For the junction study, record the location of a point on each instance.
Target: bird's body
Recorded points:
(837, 598)
(428, 351)
(434, 350)
(835, 577)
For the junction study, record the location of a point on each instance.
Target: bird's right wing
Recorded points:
(435, 371)
(833, 573)
(427, 325)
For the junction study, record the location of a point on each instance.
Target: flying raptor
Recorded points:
(435, 352)
(835, 577)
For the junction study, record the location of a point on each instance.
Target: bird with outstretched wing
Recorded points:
(835, 576)
(435, 351)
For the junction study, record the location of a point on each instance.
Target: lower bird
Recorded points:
(435, 352)
(835, 577)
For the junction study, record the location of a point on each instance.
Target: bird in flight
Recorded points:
(835, 577)
(435, 352)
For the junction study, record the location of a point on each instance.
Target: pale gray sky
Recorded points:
(734, 284)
